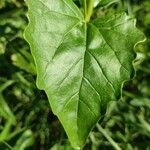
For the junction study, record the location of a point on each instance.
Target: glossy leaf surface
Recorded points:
(80, 65)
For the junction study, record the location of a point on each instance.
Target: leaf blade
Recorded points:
(74, 63)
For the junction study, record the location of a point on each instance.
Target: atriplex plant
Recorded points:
(81, 63)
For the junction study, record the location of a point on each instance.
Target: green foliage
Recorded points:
(107, 2)
(80, 65)
(25, 118)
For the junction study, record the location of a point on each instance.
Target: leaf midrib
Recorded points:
(85, 26)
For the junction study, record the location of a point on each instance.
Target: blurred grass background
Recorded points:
(26, 120)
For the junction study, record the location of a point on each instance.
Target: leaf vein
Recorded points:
(69, 99)
(58, 12)
(102, 71)
(69, 71)
(63, 37)
(114, 52)
(92, 87)
(70, 7)
(49, 62)
(90, 110)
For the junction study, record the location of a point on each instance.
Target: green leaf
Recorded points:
(6, 113)
(96, 2)
(6, 130)
(103, 2)
(26, 140)
(81, 66)
(24, 60)
(58, 146)
(5, 110)
(108, 2)
(2, 48)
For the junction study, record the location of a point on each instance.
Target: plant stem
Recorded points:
(88, 9)
(113, 143)
(129, 8)
(144, 122)
(8, 146)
